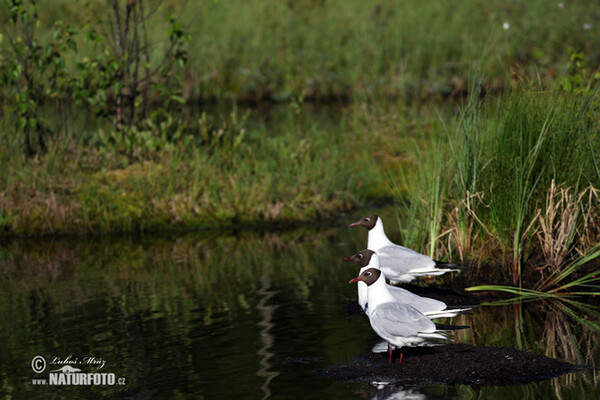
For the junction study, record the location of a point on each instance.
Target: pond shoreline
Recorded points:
(173, 229)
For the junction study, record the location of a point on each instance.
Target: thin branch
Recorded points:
(150, 13)
(119, 75)
(134, 83)
(146, 52)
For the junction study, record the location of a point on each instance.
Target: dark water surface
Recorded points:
(218, 315)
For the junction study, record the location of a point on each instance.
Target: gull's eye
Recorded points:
(360, 256)
(367, 219)
(367, 273)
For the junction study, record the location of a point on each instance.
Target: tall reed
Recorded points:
(465, 149)
(529, 145)
(422, 189)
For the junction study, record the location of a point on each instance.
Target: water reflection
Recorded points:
(266, 311)
(556, 328)
(392, 392)
(185, 316)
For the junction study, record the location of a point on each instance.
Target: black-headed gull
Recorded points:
(429, 307)
(398, 324)
(399, 264)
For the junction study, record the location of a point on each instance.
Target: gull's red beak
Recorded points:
(354, 280)
(347, 259)
(355, 224)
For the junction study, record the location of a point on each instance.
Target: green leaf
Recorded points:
(178, 99)
(22, 123)
(117, 87)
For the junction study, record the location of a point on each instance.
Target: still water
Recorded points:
(230, 315)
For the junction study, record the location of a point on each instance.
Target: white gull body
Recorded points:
(429, 307)
(399, 264)
(398, 324)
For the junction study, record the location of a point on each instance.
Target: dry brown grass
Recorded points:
(557, 224)
(590, 230)
(568, 224)
(466, 234)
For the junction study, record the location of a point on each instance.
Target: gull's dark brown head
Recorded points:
(367, 221)
(369, 276)
(363, 257)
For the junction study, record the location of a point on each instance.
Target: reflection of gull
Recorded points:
(382, 347)
(266, 310)
(390, 392)
(67, 369)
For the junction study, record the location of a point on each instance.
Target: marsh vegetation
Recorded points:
(150, 116)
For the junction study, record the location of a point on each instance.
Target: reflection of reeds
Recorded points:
(558, 335)
(163, 282)
(565, 337)
(266, 311)
(217, 271)
(544, 328)
(563, 330)
(553, 328)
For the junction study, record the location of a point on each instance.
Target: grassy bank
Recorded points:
(503, 180)
(250, 172)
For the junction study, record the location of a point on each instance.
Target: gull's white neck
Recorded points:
(377, 238)
(378, 293)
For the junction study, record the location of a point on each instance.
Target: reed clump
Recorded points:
(517, 184)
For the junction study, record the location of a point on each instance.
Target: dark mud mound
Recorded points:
(452, 364)
(454, 296)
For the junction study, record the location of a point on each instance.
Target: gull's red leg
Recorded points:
(390, 352)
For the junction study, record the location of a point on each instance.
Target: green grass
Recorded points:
(299, 168)
(493, 175)
(473, 181)
(560, 284)
(470, 184)
(421, 194)
(540, 138)
(271, 49)
(332, 48)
